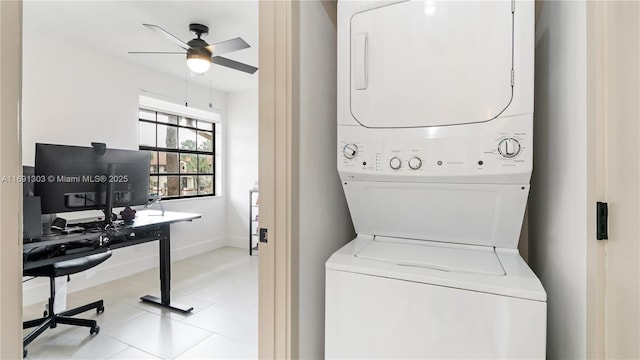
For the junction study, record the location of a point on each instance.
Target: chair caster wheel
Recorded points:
(45, 313)
(100, 309)
(94, 330)
(24, 352)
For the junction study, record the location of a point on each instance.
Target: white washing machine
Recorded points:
(435, 111)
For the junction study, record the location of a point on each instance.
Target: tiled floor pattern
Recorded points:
(221, 285)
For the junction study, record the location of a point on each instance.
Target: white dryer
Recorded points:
(435, 111)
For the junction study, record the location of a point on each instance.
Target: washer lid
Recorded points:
(439, 256)
(431, 63)
(517, 281)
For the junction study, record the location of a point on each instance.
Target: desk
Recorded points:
(149, 225)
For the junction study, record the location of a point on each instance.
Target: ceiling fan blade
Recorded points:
(157, 52)
(227, 46)
(233, 64)
(167, 35)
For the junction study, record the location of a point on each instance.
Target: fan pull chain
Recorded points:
(210, 89)
(186, 87)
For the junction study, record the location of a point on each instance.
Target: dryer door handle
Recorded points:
(360, 64)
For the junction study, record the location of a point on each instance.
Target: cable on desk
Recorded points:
(99, 206)
(25, 256)
(113, 234)
(46, 252)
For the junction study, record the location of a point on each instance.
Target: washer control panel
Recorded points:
(504, 151)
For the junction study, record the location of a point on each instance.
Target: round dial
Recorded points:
(350, 151)
(415, 163)
(395, 163)
(509, 147)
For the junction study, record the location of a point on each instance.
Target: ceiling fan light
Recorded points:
(198, 66)
(198, 61)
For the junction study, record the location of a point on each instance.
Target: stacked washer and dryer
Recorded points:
(435, 119)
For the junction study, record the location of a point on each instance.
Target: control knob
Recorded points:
(350, 151)
(509, 147)
(415, 163)
(395, 163)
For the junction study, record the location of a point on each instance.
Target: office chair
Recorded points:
(50, 319)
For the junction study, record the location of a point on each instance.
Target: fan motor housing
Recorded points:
(197, 43)
(198, 52)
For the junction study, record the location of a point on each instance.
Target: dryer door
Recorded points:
(431, 63)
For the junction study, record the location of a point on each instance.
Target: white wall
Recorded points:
(242, 156)
(73, 95)
(558, 200)
(325, 223)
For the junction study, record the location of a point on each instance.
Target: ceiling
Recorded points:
(115, 27)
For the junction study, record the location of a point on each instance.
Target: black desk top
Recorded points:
(143, 218)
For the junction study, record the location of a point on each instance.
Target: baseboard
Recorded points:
(242, 243)
(37, 290)
(197, 249)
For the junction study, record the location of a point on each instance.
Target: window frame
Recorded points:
(180, 113)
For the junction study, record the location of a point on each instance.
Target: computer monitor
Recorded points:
(73, 178)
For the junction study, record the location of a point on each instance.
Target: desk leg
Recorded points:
(165, 276)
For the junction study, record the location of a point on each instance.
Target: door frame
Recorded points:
(596, 105)
(613, 313)
(277, 124)
(10, 192)
(277, 282)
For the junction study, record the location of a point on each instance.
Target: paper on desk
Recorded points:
(60, 300)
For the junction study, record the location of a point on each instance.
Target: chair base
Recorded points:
(52, 320)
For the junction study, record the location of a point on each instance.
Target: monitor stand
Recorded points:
(156, 199)
(108, 207)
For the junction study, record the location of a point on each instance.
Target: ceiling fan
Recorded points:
(200, 54)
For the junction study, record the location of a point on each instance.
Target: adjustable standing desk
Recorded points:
(149, 225)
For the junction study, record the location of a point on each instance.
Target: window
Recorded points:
(182, 153)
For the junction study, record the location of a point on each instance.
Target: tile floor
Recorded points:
(221, 285)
